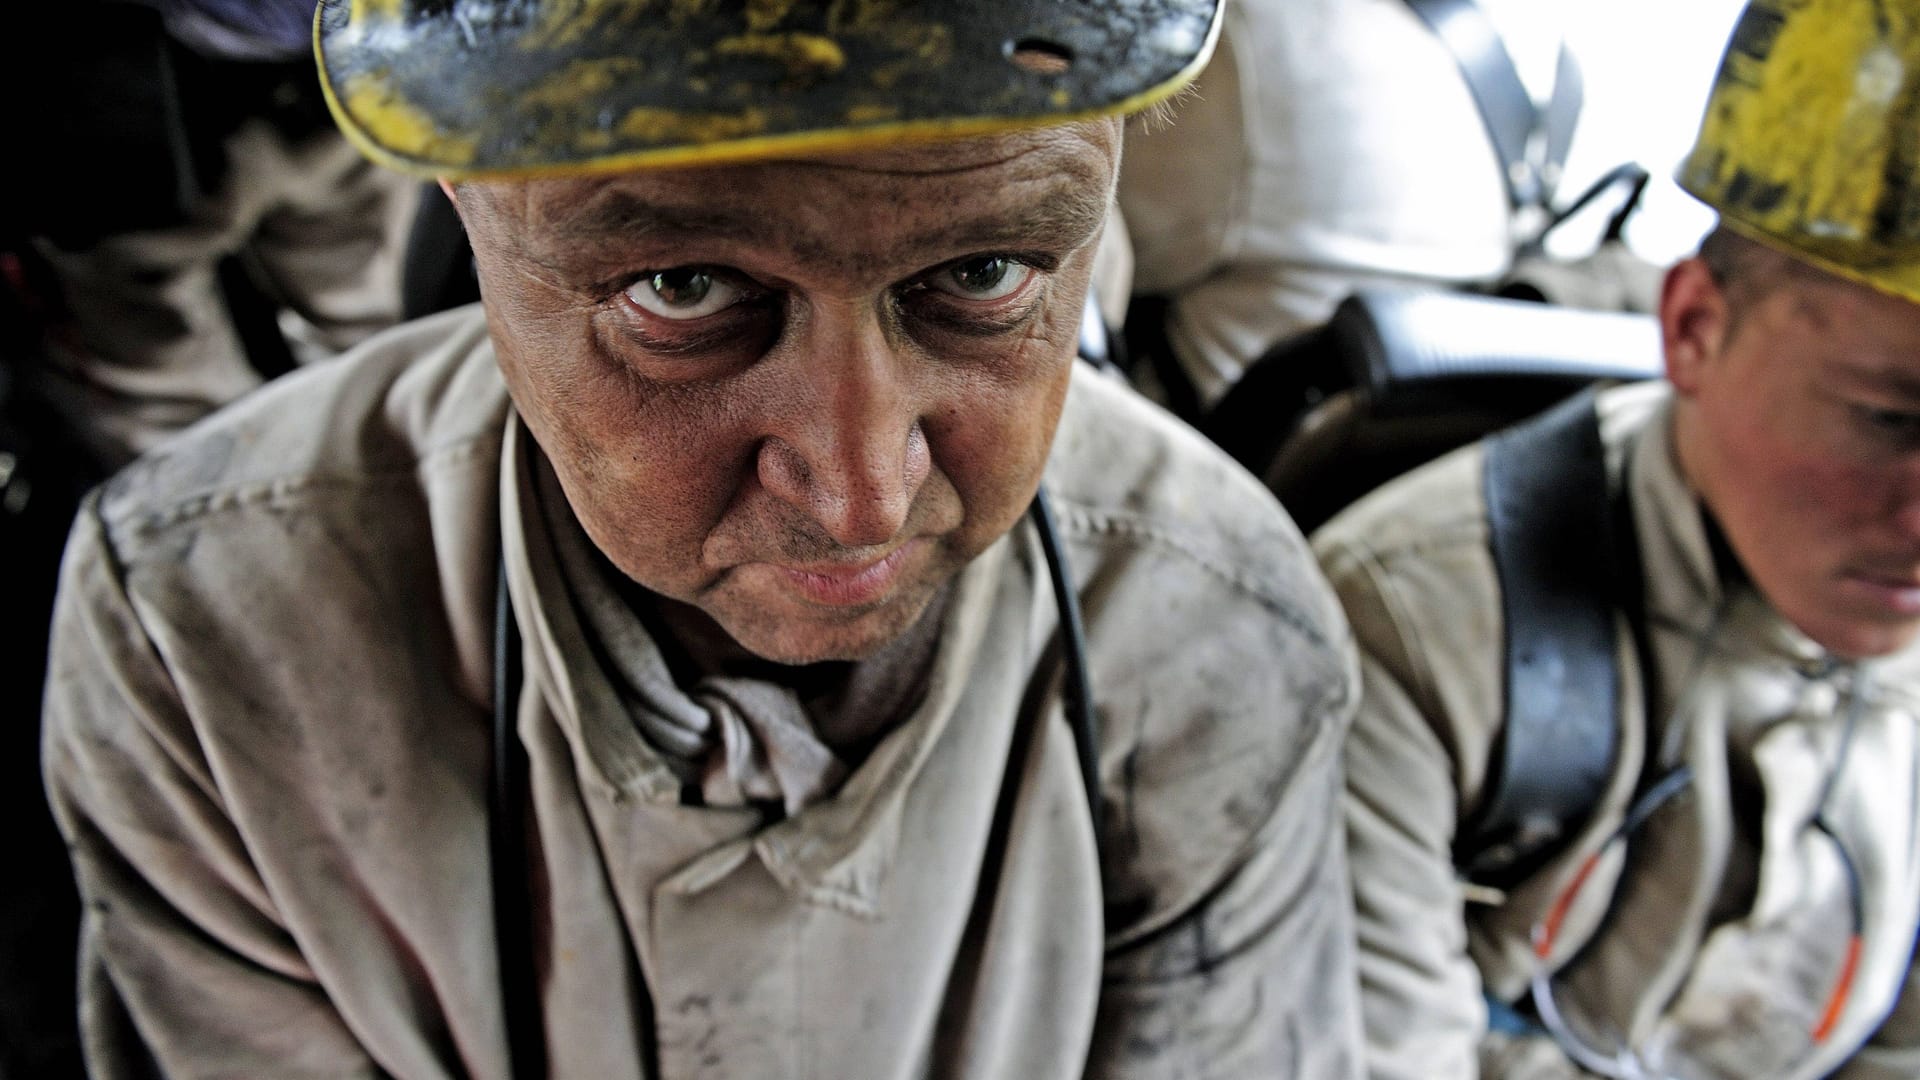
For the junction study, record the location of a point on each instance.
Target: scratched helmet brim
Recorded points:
(461, 89)
(1808, 143)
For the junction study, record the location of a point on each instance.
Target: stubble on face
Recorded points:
(858, 414)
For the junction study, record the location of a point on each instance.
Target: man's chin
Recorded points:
(1863, 639)
(796, 636)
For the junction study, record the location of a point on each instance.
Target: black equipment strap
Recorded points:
(1563, 550)
(1530, 142)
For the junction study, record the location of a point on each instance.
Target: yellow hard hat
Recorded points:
(467, 88)
(1811, 141)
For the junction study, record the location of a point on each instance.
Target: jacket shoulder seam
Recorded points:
(1088, 522)
(140, 523)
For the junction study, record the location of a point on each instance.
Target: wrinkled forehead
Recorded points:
(1050, 184)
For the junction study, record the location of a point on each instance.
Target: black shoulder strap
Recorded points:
(1530, 142)
(1557, 542)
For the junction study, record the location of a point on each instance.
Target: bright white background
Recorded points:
(1648, 66)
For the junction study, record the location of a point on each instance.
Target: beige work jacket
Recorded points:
(267, 742)
(1723, 945)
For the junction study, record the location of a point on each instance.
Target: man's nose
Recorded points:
(852, 454)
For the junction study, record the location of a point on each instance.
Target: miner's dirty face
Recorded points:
(1799, 424)
(799, 395)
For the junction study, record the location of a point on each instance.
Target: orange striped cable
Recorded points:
(1843, 988)
(1550, 928)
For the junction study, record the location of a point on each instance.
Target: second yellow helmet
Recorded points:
(1812, 136)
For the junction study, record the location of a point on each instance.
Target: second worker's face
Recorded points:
(799, 395)
(1804, 439)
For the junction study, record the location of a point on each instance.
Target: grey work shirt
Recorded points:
(267, 742)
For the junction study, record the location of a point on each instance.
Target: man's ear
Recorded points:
(446, 188)
(1694, 323)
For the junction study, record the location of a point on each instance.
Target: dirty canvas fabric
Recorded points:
(1723, 944)
(153, 346)
(268, 728)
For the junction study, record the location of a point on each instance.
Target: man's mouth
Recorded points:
(1895, 594)
(847, 584)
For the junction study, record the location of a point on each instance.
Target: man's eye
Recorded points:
(684, 293)
(988, 277)
(1892, 423)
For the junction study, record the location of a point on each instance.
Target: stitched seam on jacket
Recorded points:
(1086, 523)
(1422, 686)
(145, 524)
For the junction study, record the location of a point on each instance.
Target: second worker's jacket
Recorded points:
(1718, 950)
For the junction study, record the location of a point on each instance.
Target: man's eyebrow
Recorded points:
(628, 217)
(1067, 217)
(1887, 378)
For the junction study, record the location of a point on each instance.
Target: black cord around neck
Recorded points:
(1076, 691)
(507, 843)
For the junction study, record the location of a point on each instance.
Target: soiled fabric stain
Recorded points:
(271, 758)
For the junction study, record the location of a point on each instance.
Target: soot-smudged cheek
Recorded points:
(684, 472)
(1019, 391)
(622, 414)
(647, 526)
(1815, 496)
(992, 449)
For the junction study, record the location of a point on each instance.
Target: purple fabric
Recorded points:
(276, 25)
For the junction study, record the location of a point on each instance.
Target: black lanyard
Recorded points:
(507, 800)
